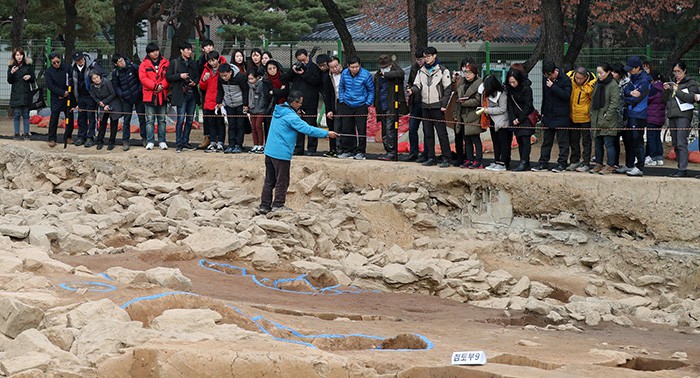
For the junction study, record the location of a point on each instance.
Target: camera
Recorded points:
(297, 66)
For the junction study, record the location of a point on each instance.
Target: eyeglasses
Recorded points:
(54, 62)
(677, 71)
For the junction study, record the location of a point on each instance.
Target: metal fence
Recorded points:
(496, 60)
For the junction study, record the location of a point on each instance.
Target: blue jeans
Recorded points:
(185, 114)
(153, 112)
(609, 143)
(140, 113)
(413, 125)
(655, 149)
(22, 112)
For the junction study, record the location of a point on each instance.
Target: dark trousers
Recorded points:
(435, 122)
(356, 124)
(140, 113)
(562, 137)
(524, 148)
(459, 143)
(413, 126)
(389, 133)
(215, 125)
(107, 116)
(617, 148)
(634, 142)
(309, 116)
(582, 135)
(236, 130)
(502, 140)
(655, 148)
(277, 180)
(87, 117)
(607, 142)
(680, 131)
(56, 109)
(473, 147)
(332, 143)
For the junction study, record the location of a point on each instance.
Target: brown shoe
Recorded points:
(597, 168)
(69, 141)
(52, 143)
(608, 170)
(205, 143)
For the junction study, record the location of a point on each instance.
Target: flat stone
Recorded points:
(273, 225)
(310, 182)
(555, 317)
(425, 221)
(593, 318)
(629, 289)
(398, 273)
(589, 261)
(528, 343)
(539, 290)
(564, 220)
(152, 245)
(213, 242)
(428, 268)
(265, 258)
(186, 320)
(373, 195)
(16, 317)
(89, 311)
(171, 278)
(354, 261)
(14, 231)
(550, 252)
(636, 301)
(498, 278)
(650, 280)
(10, 264)
(127, 276)
(521, 287)
(29, 361)
(179, 208)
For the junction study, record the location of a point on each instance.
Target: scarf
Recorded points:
(599, 98)
(430, 67)
(277, 84)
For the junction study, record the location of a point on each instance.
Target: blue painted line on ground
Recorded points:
(106, 276)
(104, 287)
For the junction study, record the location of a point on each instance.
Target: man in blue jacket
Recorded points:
(636, 96)
(355, 94)
(284, 128)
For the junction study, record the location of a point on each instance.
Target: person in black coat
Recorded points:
(20, 74)
(125, 79)
(329, 98)
(555, 116)
(519, 108)
(183, 77)
(59, 80)
(415, 108)
(276, 85)
(305, 77)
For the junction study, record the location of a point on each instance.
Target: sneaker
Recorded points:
(596, 169)
(410, 157)
(444, 164)
(558, 169)
(331, 154)
(16, 137)
(281, 209)
(540, 168)
(498, 168)
(228, 150)
(623, 169)
(110, 146)
(261, 150)
(188, 147)
(126, 146)
(262, 210)
(467, 164)
(583, 168)
(659, 162)
(178, 150)
(69, 141)
(680, 173)
(476, 165)
(149, 146)
(211, 148)
(635, 172)
(387, 157)
(430, 162)
(421, 160)
(491, 166)
(359, 156)
(89, 143)
(99, 145)
(219, 147)
(163, 145)
(253, 150)
(52, 143)
(573, 166)
(345, 155)
(236, 150)
(607, 170)
(648, 161)
(522, 167)
(79, 142)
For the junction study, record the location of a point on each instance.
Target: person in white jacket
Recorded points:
(496, 108)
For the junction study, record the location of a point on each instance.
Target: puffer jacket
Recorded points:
(355, 91)
(498, 110)
(556, 105)
(434, 85)
(656, 107)
(209, 87)
(234, 91)
(258, 99)
(82, 82)
(284, 128)
(393, 78)
(604, 121)
(581, 98)
(520, 106)
(465, 111)
(126, 83)
(637, 106)
(21, 92)
(151, 74)
(684, 94)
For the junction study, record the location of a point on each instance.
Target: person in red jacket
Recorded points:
(152, 75)
(208, 83)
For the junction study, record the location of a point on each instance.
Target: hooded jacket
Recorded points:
(234, 91)
(126, 83)
(355, 91)
(604, 121)
(21, 92)
(556, 102)
(520, 106)
(210, 86)
(151, 74)
(434, 85)
(465, 111)
(258, 99)
(656, 107)
(637, 106)
(284, 127)
(581, 98)
(394, 77)
(57, 81)
(683, 94)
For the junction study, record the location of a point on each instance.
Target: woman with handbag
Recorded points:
(520, 109)
(20, 74)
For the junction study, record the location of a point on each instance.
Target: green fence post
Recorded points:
(46, 59)
(648, 52)
(566, 47)
(487, 46)
(340, 50)
(266, 44)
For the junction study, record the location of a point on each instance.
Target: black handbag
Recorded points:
(38, 101)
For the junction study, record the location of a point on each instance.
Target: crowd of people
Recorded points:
(588, 112)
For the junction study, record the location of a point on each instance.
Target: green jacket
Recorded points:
(604, 120)
(465, 111)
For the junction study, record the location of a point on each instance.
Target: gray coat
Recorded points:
(672, 108)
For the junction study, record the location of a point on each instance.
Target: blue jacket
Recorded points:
(637, 106)
(356, 91)
(285, 126)
(126, 83)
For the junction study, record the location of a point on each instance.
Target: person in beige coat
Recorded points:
(469, 123)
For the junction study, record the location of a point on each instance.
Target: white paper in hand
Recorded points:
(469, 358)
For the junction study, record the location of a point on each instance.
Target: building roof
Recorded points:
(364, 29)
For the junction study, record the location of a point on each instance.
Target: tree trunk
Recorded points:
(69, 28)
(341, 27)
(128, 12)
(417, 24)
(677, 53)
(186, 23)
(554, 24)
(536, 56)
(18, 15)
(581, 28)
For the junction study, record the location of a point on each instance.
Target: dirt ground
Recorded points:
(512, 349)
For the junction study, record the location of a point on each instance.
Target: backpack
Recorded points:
(94, 67)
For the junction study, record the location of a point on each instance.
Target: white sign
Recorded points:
(469, 358)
